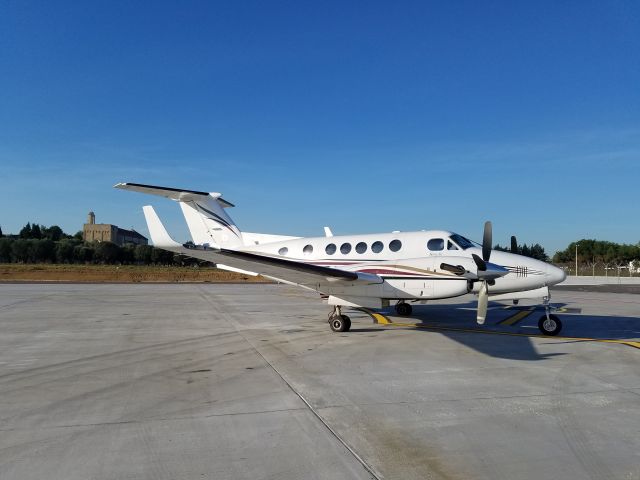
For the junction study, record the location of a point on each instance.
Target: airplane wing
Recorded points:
(277, 268)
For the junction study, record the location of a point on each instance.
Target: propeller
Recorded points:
(486, 272)
(486, 241)
(483, 293)
(483, 301)
(514, 244)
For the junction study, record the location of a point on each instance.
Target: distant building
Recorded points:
(103, 232)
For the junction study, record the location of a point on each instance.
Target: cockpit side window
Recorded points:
(451, 245)
(461, 241)
(435, 244)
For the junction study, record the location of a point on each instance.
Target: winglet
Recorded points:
(158, 233)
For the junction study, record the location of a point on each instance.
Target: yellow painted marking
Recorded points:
(515, 318)
(383, 320)
(377, 317)
(634, 344)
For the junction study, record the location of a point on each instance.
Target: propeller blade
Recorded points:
(514, 244)
(457, 269)
(483, 301)
(486, 242)
(482, 265)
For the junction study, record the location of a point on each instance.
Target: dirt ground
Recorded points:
(118, 274)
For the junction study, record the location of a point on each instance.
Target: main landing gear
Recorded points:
(339, 322)
(549, 324)
(403, 309)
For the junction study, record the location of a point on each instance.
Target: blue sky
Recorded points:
(365, 116)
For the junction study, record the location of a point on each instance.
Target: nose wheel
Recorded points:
(549, 324)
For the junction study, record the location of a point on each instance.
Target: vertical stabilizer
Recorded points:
(209, 223)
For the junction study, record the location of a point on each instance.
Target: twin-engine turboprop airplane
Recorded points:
(359, 270)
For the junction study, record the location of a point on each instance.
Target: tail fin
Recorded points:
(204, 212)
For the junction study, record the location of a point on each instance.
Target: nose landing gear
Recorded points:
(549, 324)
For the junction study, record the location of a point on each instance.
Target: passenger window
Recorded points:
(435, 244)
(283, 251)
(377, 247)
(308, 249)
(395, 245)
(451, 246)
(345, 248)
(361, 247)
(331, 249)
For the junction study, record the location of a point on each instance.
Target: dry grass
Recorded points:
(119, 274)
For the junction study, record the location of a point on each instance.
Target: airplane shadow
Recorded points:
(458, 323)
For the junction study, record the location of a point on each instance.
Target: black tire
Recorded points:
(339, 324)
(347, 323)
(404, 309)
(550, 326)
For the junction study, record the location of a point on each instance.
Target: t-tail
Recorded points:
(204, 212)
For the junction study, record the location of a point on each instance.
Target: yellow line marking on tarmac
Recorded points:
(377, 317)
(634, 344)
(516, 317)
(384, 320)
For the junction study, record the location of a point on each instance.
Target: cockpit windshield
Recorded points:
(461, 241)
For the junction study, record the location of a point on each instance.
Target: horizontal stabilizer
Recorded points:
(177, 194)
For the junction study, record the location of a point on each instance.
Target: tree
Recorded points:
(19, 250)
(535, 251)
(5, 250)
(36, 232)
(64, 251)
(41, 250)
(25, 232)
(82, 254)
(162, 257)
(54, 233)
(143, 254)
(106, 252)
(590, 250)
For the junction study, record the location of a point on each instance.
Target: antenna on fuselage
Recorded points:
(328, 232)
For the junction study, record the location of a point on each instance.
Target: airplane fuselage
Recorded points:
(409, 263)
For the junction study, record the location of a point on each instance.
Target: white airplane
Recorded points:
(369, 271)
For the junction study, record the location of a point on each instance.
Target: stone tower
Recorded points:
(91, 219)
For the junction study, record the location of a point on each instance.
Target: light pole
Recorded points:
(577, 259)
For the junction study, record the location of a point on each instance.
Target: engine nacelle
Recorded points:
(428, 289)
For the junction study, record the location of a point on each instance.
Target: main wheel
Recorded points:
(347, 323)
(404, 309)
(551, 325)
(340, 323)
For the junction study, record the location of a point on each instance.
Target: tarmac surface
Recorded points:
(247, 381)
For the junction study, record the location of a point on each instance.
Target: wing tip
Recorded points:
(158, 232)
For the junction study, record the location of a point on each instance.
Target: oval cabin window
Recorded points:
(331, 249)
(395, 245)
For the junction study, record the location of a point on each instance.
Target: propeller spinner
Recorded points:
(486, 272)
